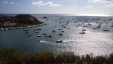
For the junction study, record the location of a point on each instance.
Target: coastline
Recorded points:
(18, 21)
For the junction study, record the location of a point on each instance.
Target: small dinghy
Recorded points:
(60, 34)
(38, 36)
(53, 31)
(59, 41)
(83, 29)
(82, 32)
(26, 30)
(106, 30)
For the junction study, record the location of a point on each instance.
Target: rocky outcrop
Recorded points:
(26, 19)
(18, 20)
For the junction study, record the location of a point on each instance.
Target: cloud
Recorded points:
(12, 2)
(110, 5)
(41, 3)
(9, 2)
(101, 1)
(107, 3)
(89, 6)
(5, 2)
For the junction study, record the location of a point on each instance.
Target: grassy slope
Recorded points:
(11, 56)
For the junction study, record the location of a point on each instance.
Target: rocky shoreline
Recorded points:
(18, 21)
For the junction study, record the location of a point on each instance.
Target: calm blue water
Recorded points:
(94, 41)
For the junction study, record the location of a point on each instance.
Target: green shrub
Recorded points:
(11, 56)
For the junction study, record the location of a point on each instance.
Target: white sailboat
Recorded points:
(83, 31)
(106, 29)
(99, 26)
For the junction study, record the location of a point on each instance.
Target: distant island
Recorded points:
(19, 20)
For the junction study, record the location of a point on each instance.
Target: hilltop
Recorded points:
(18, 20)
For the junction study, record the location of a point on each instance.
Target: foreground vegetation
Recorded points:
(11, 56)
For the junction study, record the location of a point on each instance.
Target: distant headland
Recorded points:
(19, 20)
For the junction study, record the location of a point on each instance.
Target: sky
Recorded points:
(72, 7)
